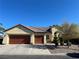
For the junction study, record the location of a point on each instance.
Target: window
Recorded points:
(47, 36)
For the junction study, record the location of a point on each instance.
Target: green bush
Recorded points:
(56, 41)
(61, 41)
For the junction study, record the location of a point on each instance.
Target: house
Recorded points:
(1, 39)
(20, 34)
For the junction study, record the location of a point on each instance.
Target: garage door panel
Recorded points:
(19, 39)
(39, 39)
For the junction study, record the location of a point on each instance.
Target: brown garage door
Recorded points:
(39, 39)
(19, 39)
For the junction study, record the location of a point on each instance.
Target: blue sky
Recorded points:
(38, 12)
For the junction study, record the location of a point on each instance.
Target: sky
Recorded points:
(38, 12)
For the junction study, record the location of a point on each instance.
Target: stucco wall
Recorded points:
(53, 30)
(6, 39)
(32, 39)
(45, 41)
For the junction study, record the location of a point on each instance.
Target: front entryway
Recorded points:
(19, 39)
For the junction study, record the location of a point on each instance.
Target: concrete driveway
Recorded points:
(22, 49)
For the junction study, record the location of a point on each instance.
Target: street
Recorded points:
(35, 57)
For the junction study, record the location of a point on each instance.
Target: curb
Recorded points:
(60, 54)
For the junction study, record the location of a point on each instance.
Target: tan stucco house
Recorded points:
(20, 34)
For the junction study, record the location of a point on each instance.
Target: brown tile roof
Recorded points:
(38, 29)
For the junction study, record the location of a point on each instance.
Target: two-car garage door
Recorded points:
(19, 39)
(25, 39)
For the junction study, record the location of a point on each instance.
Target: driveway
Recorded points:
(22, 49)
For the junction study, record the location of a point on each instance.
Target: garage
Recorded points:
(39, 39)
(19, 39)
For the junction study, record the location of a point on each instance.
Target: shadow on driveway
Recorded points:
(73, 55)
(36, 46)
(39, 46)
(42, 46)
(50, 47)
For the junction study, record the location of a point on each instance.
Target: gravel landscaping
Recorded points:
(63, 49)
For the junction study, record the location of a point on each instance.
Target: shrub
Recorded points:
(56, 41)
(61, 41)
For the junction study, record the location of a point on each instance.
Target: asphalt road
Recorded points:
(35, 57)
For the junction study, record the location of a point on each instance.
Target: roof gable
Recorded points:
(20, 26)
(33, 29)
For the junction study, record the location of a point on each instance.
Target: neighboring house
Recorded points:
(1, 39)
(20, 34)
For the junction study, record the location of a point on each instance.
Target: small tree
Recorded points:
(1, 29)
(70, 31)
(56, 39)
(1, 32)
(61, 41)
